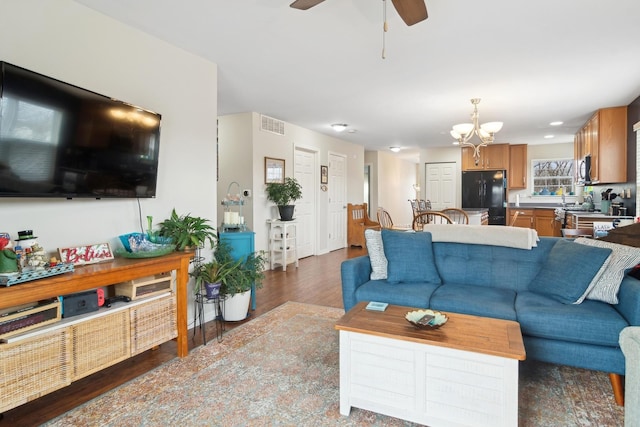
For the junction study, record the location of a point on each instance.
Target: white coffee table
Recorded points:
(465, 373)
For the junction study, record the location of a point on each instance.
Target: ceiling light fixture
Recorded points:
(464, 131)
(557, 123)
(394, 149)
(339, 127)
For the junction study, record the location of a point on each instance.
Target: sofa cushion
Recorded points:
(592, 322)
(406, 294)
(491, 266)
(409, 257)
(375, 249)
(622, 258)
(479, 301)
(568, 271)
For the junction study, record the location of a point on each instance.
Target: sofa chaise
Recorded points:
(572, 298)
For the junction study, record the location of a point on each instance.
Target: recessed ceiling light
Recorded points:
(352, 131)
(394, 149)
(557, 123)
(339, 127)
(549, 136)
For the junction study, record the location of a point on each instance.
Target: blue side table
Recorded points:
(242, 243)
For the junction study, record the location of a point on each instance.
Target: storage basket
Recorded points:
(153, 323)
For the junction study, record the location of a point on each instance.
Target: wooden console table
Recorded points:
(108, 273)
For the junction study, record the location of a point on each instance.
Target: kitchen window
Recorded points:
(550, 176)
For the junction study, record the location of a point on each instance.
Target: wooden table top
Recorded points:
(485, 335)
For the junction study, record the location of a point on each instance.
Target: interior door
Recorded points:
(337, 188)
(304, 171)
(441, 185)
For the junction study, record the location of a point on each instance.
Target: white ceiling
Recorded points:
(531, 63)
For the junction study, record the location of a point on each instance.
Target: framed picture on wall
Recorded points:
(324, 174)
(273, 170)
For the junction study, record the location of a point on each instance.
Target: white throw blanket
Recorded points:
(494, 235)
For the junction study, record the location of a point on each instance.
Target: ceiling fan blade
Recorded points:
(411, 11)
(305, 4)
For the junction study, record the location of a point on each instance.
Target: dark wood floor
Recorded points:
(316, 281)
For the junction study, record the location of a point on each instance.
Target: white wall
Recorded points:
(393, 187)
(70, 42)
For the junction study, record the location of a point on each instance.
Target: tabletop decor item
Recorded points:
(426, 319)
(88, 254)
(187, 232)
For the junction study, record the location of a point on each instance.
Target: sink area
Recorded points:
(577, 209)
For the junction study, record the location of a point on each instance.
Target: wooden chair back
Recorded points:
(358, 221)
(458, 216)
(384, 218)
(431, 217)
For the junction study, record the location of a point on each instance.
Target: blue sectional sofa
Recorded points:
(543, 288)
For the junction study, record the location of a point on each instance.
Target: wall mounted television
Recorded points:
(59, 140)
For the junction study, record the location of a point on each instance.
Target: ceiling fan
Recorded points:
(411, 11)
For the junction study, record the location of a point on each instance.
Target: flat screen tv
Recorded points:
(59, 140)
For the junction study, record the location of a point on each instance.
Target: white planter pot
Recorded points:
(236, 307)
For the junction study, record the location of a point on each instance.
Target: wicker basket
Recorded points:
(100, 342)
(153, 323)
(33, 367)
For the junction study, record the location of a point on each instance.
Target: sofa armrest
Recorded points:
(354, 272)
(629, 300)
(630, 345)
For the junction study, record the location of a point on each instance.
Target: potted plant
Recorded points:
(186, 231)
(211, 275)
(282, 194)
(236, 286)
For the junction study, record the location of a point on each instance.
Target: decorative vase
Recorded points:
(236, 308)
(286, 212)
(212, 289)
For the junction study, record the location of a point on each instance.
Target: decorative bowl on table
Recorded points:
(139, 245)
(426, 319)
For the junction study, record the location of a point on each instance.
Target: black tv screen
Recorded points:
(59, 140)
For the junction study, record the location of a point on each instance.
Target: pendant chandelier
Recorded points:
(463, 132)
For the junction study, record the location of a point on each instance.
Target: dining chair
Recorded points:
(458, 216)
(384, 218)
(430, 217)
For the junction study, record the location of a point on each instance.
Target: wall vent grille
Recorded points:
(269, 124)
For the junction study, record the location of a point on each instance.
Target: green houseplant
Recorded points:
(282, 194)
(186, 231)
(236, 286)
(211, 275)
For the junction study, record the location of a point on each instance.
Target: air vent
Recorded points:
(272, 125)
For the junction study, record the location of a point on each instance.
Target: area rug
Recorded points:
(282, 369)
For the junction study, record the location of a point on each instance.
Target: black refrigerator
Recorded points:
(486, 189)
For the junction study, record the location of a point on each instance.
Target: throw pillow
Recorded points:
(622, 258)
(410, 257)
(568, 271)
(378, 261)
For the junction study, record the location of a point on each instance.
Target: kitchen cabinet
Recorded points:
(542, 220)
(604, 137)
(493, 156)
(517, 173)
(524, 218)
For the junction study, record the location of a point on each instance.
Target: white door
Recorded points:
(441, 185)
(337, 224)
(304, 169)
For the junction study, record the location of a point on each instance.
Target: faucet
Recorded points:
(564, 199)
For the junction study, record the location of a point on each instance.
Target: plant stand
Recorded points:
(283, 248)
(198, 315)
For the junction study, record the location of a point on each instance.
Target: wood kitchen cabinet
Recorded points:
(604, 137)
(542, 220)
(517, 173)
(524, 218)
(493, 156)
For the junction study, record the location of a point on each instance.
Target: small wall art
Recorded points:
(88, 254)
(324, 174)
(273, 170)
